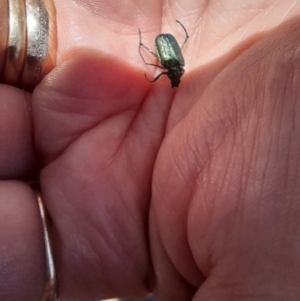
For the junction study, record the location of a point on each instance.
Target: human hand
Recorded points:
(210, 160)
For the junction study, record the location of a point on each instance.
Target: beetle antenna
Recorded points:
(186, 34)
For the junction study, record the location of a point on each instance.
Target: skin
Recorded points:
(192, 194)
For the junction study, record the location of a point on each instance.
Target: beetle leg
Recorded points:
(161, 67)
(141, 54)
(157, 77)
(142, 45)
(154, 54)
(186, 34)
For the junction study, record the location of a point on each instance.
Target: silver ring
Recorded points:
(50, 290)
(40, 57)
(16, 45)
(4, 15)
(28, 41)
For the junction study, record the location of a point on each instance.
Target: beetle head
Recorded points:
(174, 74)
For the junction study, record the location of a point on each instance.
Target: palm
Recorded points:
(99, 126)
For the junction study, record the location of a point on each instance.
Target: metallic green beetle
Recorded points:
(169, 54)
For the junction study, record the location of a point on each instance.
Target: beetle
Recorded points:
(169, 54)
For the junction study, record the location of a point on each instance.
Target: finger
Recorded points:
(169, 282)
(230, 191)
(100, 229)
(17, 156)
(22, 257)
(108, 95)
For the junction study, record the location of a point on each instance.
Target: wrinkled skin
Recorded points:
(193, 194)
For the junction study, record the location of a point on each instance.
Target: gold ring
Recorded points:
(16, 42)
(40, 55)
(50, 290)
(3, 33)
